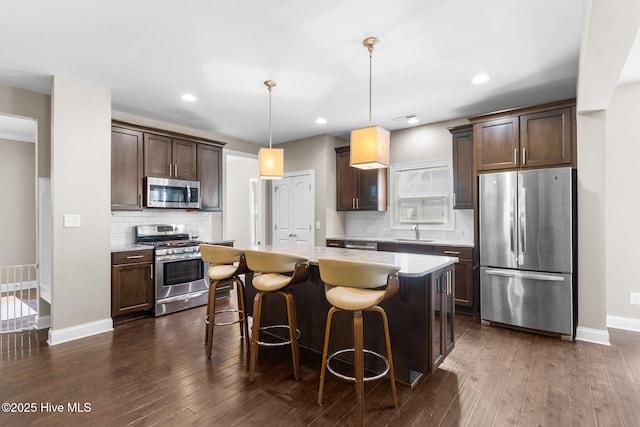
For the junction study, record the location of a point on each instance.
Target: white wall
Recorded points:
(622, 202)
(80, 177)
(608, 32)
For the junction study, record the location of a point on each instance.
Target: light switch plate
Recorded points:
(71, 220)
(635, 298)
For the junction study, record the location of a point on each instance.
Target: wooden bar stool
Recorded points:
(226, 264)
(358, 286)
(278, 272)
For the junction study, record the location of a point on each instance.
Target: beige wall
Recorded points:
(80, 177)
(592, 272)
(422, 143)
(20, 102)
(18, 195)
(231, 143)
(622, 203)
(317, 153)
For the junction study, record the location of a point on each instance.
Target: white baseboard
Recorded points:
(44, 322)
(79, 331)
(596, 336)
(626, 323)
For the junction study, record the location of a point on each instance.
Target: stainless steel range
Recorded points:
(180, 273)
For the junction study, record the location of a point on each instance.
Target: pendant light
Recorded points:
(370, 145)
(271, 160)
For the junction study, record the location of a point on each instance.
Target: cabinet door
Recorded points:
(346, 182)
(210, 177)
(545, 138)
(131, 288)
(463, 170)
(442, 315)
(464, 283)
(372, 190)
(126, 169)
(157, 156)
(448, 301)
(184, 155)
(496, 144)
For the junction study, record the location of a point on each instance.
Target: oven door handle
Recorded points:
(183, 297)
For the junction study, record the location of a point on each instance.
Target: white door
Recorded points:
(293, 209)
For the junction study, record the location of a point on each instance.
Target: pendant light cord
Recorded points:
(270, 84)
(369, 42)
(370, 78)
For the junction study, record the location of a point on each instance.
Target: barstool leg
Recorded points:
(244, 327)
(293, 334)
(392, 375)
(255, 331)
(323, 369)
(206, 318)
(358, 357)
(211, 315)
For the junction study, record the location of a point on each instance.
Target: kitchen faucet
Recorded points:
(417, 230)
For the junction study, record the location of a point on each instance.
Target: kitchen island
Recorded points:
(420, 315)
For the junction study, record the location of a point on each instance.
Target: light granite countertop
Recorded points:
(411, 265)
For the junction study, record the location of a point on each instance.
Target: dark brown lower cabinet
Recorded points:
(442, 315)
(131, 282)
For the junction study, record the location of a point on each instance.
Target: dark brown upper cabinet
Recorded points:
(534, 137)
(358, 189)
(210, 177)
(126, 169)
(462, 147)
(166, 157)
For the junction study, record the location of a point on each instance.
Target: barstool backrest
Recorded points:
(355, 274)
(273, 262)
(216, 254)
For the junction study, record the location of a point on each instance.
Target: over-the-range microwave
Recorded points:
(171, 193)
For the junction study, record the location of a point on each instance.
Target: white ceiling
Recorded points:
(149, 52)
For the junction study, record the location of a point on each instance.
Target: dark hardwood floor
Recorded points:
(154, 372)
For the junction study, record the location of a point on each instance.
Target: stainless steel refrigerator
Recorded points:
(527, 221)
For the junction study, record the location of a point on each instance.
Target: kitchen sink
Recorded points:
(415, 240)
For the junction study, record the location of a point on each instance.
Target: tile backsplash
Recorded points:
(377, 224)
(123, 223)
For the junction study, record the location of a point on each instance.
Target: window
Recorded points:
(421, 194)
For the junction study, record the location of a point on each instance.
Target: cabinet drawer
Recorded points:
(460, 252)
(335, 243)
(130, 257)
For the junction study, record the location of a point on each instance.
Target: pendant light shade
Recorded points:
(370, 148)
(370, 145)
(271, 160)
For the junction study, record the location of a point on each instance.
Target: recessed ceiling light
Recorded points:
(412, 120)
(480, 79)
(188, 97)
(321, 121)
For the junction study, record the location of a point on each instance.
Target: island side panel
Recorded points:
(407, 311)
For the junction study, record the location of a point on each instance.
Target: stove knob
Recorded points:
(197, 249)
(171, 251)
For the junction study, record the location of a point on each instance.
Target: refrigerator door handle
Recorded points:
(512, 228)
(526, 275)
(522, 234)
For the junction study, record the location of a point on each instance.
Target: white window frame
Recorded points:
(445, 223)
